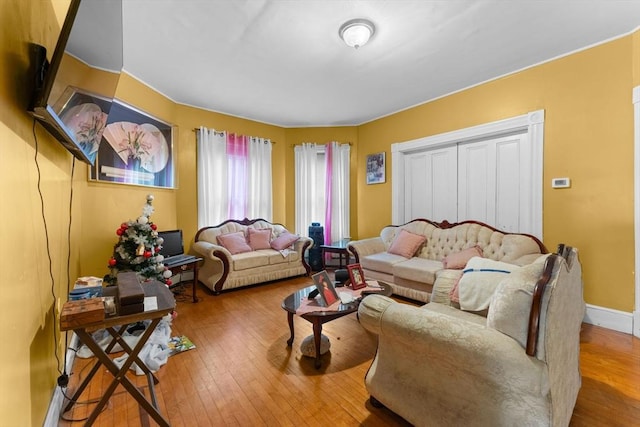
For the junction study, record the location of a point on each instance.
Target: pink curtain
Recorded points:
(237, 152)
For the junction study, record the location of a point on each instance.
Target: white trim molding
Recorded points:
(57, 400)
(636, 206)
(616, 320)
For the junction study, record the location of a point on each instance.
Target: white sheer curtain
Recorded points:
(234, 177)
(213, 200)
(338, 196)
(320, 196)
(309, 186)
(260, 197)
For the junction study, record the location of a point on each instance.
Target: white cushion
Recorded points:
(479, 280)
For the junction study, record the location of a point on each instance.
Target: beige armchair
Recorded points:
(437, 365)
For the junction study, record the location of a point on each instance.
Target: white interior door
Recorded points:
(431, 184)
(494, 182)
(499, 175)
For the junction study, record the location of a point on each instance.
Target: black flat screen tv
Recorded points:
(173, 244)
(73, 91)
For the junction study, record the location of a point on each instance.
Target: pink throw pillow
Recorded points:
(406, 244)
(259, 238)
(234, 242)
(284, 241)
(459, 259)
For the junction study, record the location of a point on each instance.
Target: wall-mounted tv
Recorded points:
(74, 90)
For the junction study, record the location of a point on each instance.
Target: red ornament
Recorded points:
(158, 249)
(147, 254)
(112, 262)
(168, 282)
(119, 231)
(154, 227)
(124, 226)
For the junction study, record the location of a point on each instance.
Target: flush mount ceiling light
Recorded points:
(356, 32)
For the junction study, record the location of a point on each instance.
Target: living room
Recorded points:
(589, 136)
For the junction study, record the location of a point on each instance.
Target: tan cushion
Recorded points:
(248, 260)
(511, 303)
(275, 257)
(417, 269)
(445, 281)
(458, 260)
(235, 243)
(406, 244)
(382, 261)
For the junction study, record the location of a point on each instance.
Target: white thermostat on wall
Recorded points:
(561, 182)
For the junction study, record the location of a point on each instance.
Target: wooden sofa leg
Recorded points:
(375, 402)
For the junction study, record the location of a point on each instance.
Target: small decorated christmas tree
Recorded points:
(138, 249)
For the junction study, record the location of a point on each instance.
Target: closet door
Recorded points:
(430, 185)
(494, 182)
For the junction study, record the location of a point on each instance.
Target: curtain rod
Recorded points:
(222, 131)
(297, 145)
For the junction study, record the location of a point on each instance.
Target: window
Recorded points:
(322, 189)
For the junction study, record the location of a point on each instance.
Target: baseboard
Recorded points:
(616, 320)
(57, 400)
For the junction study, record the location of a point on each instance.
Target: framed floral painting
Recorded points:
(85, 115)
(136, 149)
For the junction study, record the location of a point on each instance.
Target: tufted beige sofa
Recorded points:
(437, 365)
(222, 270)
(414, 277)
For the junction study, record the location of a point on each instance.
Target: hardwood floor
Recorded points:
(242, 373)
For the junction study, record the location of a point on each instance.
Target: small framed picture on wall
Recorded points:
(376, 168)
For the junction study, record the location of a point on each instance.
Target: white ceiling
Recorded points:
(282, 62)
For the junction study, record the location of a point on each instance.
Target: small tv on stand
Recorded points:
(173, 244)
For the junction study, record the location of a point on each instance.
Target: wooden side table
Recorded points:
(340, 248)
(116, 326)
(189, 265)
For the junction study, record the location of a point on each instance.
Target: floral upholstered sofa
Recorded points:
(241, 253)
(413, 256)
(519, 365)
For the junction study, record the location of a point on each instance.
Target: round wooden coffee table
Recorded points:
(317, 318)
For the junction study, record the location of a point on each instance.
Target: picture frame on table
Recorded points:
(356, 277)
(326, 290)
(136, 149)
(376, 168)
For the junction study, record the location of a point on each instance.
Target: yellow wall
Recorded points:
(29, 367)
(588, 137)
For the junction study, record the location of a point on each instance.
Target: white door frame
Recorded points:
(636, 206)
(531, 123)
